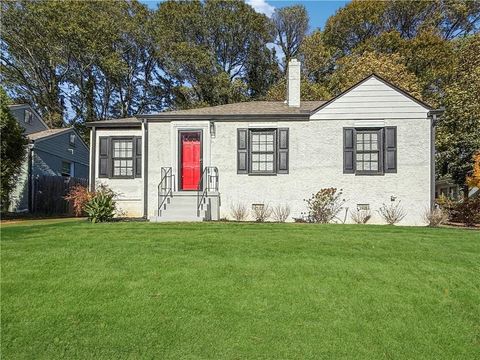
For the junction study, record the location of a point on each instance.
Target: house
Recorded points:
(374, 141)
(51, 152)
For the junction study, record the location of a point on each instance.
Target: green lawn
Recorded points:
(238, 291)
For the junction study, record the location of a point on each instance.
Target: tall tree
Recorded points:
(34, 60)
(458, 131)
(13, 150)
(290, 27)
(355, 67)
(205, 49)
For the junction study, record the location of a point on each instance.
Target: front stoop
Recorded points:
(182, 206)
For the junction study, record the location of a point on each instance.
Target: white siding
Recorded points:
(371, 100)
(130, 191)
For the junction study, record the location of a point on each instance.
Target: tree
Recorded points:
(34, 58)
(353, 68)
(458, 131)
(206, 48)
(290, 27)
(309, 91)
(317, 58)
(13, 150)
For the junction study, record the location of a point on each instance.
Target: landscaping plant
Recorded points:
(261, 213)
(281, 212)
(239, 212)
(360, 216)
(392, 213)
(324, 206)
(102, 206)
(79, 196)
(435, 217)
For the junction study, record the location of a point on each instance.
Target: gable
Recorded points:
(59, 145)
(28, 118)
(372, 98)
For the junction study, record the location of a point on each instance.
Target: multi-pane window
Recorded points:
(122, 158)
(368, 151)
(262, 151)
(67, 168)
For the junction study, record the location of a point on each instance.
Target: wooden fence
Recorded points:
(49, 194)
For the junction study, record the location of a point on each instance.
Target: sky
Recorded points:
(318, 10)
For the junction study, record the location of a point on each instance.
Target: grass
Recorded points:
(238, 291)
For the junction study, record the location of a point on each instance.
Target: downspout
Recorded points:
(145, 168)
(93, 155)
(30, 177)
(433, 115)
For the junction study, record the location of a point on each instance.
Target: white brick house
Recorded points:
(374, 141)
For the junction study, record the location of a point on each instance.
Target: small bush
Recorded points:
(261, 213)
(361, 216)
(392, 213)
(102, 206)
(281, 213)
(324, 206)
(239, 212)
(79, 196)
(435, 217)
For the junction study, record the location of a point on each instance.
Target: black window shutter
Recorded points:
(391, 149)
(104, 157)
(283, 144)
(348, 150)
(138, 155)
(242, 151)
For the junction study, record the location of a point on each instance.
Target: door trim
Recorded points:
(179, 154)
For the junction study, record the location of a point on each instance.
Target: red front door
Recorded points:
(190, 160)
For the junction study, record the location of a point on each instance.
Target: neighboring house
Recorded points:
(373, 141)
(52, 152)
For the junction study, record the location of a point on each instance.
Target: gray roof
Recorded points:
(251, 111)
(46, 133)
(249, 108)
(131, 121)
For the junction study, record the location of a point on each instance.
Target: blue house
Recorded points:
(51, 152)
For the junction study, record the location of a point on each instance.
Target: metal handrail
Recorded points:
(165, 187)
(210, 174)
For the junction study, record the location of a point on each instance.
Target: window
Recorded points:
(72, 139)
(122, 158)
(262, 152)
(28, 117)
(368, 152)
(67, 168)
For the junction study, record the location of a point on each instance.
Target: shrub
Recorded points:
(392, 213)
(435, 217)
(468, 211)
(102, 206)
(79, 196)
(239, 212)
(281, 213)
(261, 213)
(361, 216)
(324, 206)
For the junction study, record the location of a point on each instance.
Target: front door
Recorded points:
(190, 159)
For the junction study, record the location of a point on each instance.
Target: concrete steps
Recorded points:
(182, 206)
